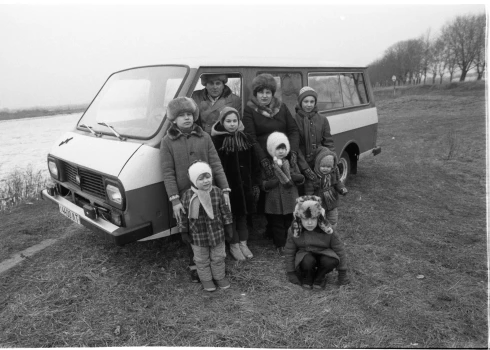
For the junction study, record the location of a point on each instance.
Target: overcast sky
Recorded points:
(57, 55)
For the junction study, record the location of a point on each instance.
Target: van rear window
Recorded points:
(338, 90)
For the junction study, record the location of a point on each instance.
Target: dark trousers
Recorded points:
(316, 266)
(278, 225)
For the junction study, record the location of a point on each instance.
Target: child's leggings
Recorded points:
(210, 262)
(310, 261)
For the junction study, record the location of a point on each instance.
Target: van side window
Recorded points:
(338, 90)
(288, 86)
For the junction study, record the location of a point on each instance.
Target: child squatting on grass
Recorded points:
(280, 190)
(312, 250)
(237, 157)
(204, 227)
(328, 186)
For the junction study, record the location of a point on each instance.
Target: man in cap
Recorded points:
(213, 98)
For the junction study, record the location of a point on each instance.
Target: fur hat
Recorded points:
(196, 169)
(206, 78)
(322, 153)
(307, 91)
(226, 111)
(180, 105)
(264, 81)
(274, 140)
(310, 207)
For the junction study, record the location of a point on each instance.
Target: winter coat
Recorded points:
(281, 200)
(208, 112)
(260, 127)
(315, 241)
(241, 172)
(178, 151)
(327, 187)
(319, 136)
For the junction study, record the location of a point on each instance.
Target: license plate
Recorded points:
(69, 214)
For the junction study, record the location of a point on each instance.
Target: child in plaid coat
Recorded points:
(208, 218)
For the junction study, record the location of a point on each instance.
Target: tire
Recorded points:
(344, 167)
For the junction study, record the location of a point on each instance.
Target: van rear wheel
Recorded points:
(344, 167)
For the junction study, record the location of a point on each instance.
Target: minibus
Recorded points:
(106, 171)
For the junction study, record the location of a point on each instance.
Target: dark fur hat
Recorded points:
(205, 78)
(182, 104)
(310, 207)
(264, 81)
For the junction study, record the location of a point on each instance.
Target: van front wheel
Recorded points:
(344, 167)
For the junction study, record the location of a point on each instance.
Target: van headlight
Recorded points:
(115, 194)
(53, 169)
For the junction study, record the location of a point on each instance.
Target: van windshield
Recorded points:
(134, 102)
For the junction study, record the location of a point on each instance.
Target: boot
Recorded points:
(236, 252)
(246, 252)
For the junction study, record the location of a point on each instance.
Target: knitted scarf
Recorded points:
(306, 116)
(268, 111)
(282, 172)
(200, 198)
(232, 141)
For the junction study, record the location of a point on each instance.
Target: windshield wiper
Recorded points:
(97, 134)
(113, 131)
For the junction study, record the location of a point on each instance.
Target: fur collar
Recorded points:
(267, 111)
(174, 132)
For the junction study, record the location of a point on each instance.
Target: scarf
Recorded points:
(268, 111)
(282, 172)
(306, 116)
(200, 198)
(235, 141)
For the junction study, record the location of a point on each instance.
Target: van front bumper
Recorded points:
(118, 235)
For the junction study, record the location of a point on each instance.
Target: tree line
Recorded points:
(459, 48)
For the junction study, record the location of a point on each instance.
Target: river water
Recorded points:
(26, 142)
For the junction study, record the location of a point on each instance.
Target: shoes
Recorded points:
(319, 283)
(307, 286)
(245, 251)
(195, 277)
(236, 252)
(223, 283)
(208, 286)
(280, 251)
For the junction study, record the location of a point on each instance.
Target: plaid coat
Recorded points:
(204, 231)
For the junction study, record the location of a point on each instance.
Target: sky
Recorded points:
(54, 54)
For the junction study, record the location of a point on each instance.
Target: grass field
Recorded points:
(418, 208)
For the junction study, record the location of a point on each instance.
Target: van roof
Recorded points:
(196, 62)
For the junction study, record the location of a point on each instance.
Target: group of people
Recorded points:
(220, 168)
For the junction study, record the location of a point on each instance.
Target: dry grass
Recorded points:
(410, 212)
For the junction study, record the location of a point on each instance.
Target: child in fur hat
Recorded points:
(314, 131)
(236, 153)
(208, 219)
(311, 248)
(184, 143)
(329, 186)
(281, 190)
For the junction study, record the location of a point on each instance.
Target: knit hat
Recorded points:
(320, 156)
(226, 111)
(274, 140)
(264, 81)
(328, 160)
(180, 105)
(307, 91)
(310, 207)
(206, 78)
(198, 168)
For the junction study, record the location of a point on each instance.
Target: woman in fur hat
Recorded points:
(328, 186)
(235, 151)
(314, 131)
(280, 190)
(184, 143)
(215, 96)
(312, 250)
(263, 115)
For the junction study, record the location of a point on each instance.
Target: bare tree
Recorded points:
(462, 37)
(426, 53)
(480, 55)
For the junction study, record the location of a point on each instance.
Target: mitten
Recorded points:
(294, 159)
(293, 278)
(343, 191)
(298, 179)
(310, 174)
(229, 230)
(288, 184)
(266, 165)
(186, 237)
(343, 278)
(256, 193)
(270, 184)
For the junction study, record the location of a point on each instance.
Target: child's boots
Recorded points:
(236, 252)
(246, 252)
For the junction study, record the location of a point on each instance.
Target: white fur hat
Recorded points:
(274, 140)
(198, 168)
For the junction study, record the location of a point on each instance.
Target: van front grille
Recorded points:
(90, 182)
